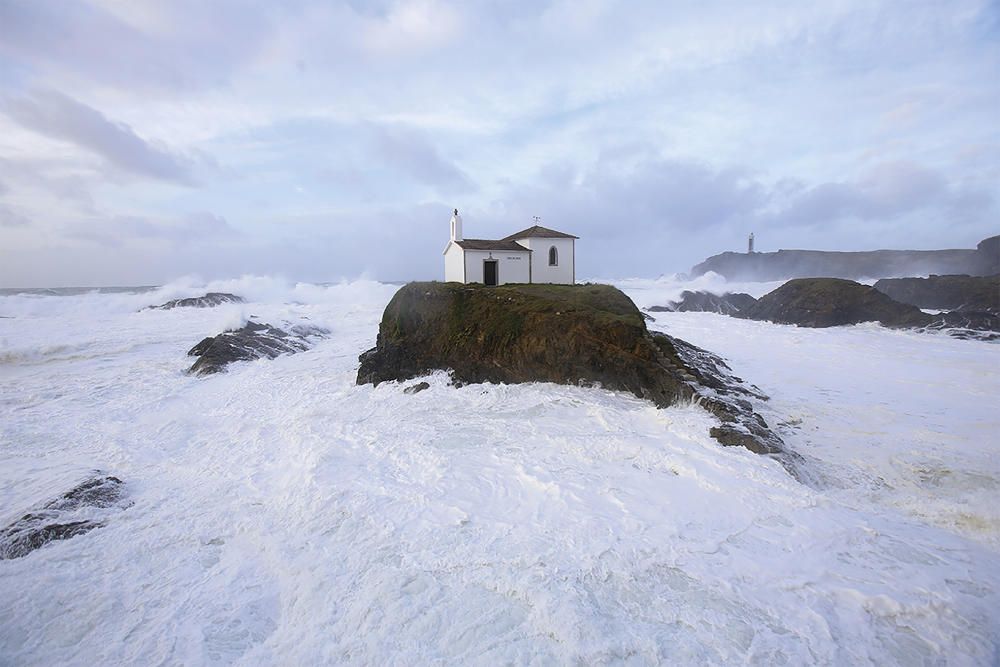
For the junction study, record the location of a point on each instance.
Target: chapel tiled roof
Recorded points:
(539, 232)
(487, 244)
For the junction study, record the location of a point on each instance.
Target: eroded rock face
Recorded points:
(706, 302)
(830, 302)
(568, 334)
(252, 341)
(81, 509)
(209, 300)
(966, 293)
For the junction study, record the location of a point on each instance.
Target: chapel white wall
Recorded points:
(454, 264)
(512, 267)
(541, 272)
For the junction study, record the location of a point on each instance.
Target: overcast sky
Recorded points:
(142, 141)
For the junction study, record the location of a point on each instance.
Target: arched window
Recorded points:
(553, 256)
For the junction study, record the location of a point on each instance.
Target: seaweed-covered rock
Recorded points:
(251, 341)
(209, 300)
(729, 303)
(568, 334)
(830, 302)
(78, 511)
(967, 293)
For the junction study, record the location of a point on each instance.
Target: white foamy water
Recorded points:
(283, 515)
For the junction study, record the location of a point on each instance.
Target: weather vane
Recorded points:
(536, 218)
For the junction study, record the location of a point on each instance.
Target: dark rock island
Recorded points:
(209, 300)
(251, 341)
(965, 293)
(830, 302)
(568, 334)
(77, 511)
(729, 303)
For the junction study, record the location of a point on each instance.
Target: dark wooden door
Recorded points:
(490, 272)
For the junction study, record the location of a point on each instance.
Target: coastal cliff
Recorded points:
(784, 264)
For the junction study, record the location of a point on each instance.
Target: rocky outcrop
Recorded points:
(729, 303)
(967, 293)
(830, 302)
(568, 334)
(968, 324)
(209, 300)
(252, 341)
(785, 264)
(81, 509)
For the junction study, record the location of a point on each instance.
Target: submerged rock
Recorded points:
(252, 341)
(417, 388)
(209, 300)
(73, 513)
(967, 324)
(830, 302)
(568, 334)
(959, 292)
(729, 303)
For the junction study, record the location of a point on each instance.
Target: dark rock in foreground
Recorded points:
(417, 388)
(74, 513)
(568, 334)
(830, 302)
(969, 293)
(209, 300)
(252, 341)
(729, 303)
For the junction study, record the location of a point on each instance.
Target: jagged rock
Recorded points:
(252, 341)
(416, 388)
(568, 334)
(75, 512)
(209, 300)
(967, 293)
(967, 324)
(830, 302)
(706, 302)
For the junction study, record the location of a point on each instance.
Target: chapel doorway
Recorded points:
(490, 272)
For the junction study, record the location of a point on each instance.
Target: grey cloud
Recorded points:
(62, 117)
(118, 231)
(411, 153)
(888, 191)
(9, 217)
(209, 41)
(666, 215)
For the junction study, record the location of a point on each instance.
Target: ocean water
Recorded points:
(280, 514)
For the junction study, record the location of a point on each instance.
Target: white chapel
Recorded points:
(533, 255)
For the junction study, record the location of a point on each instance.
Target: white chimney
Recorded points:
(456, 226)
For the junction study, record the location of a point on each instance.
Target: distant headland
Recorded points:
(983, 260)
